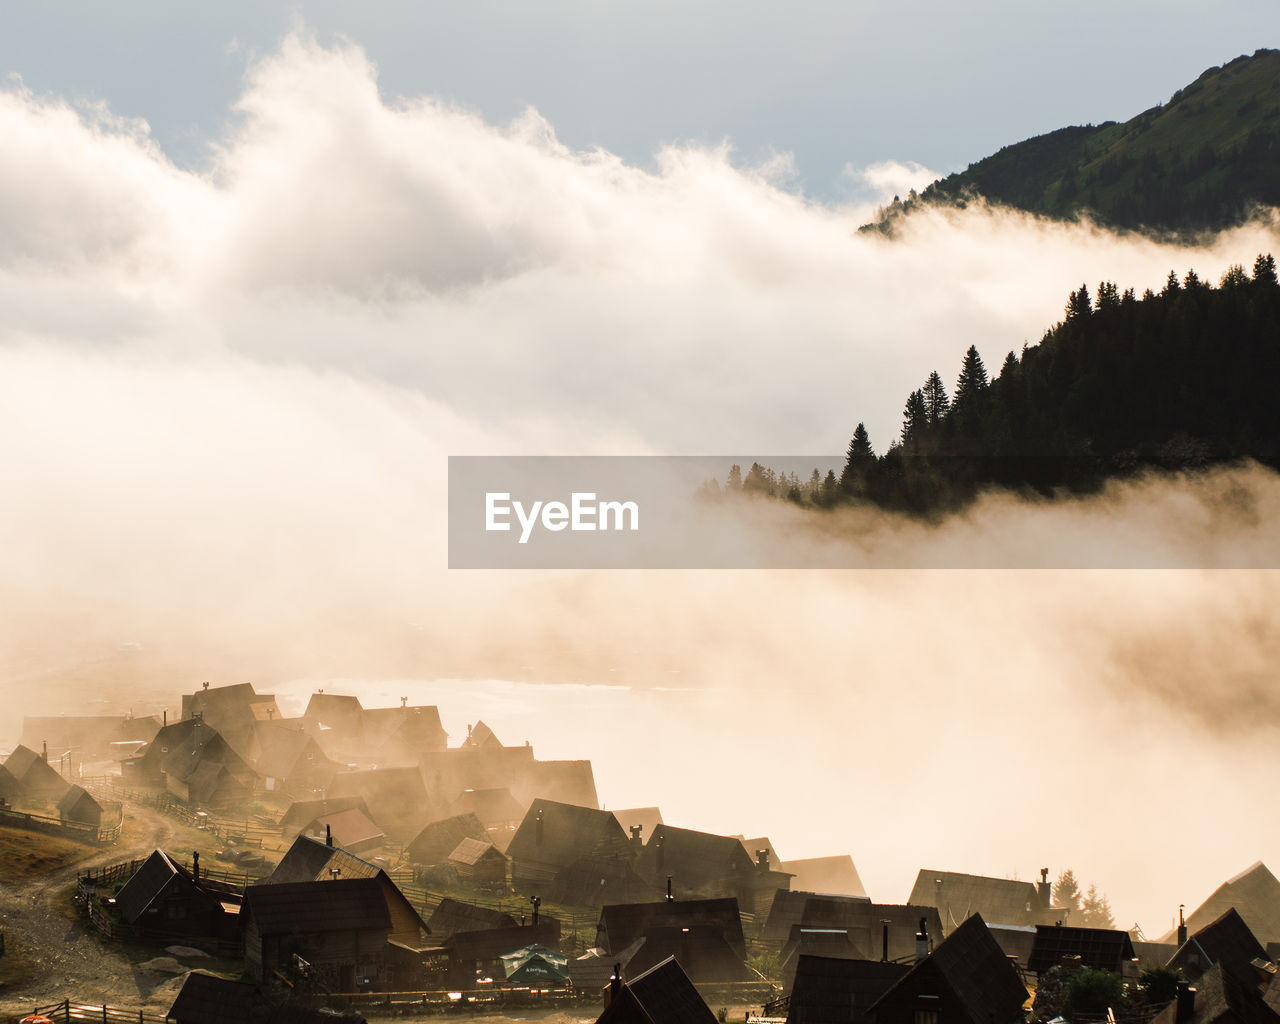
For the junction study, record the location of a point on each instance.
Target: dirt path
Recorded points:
(69, 961)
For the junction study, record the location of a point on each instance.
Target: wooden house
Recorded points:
(233, 711)
(1107, 949)
(79, 808)
(289, 759)
(1227, 941)
(164, 900)
(708, 865)
(351, 829)
(838, 990)
(438, 839)
(195, 763)
(1255, 895)
(966, 980)
(999, 900)
(663, 993)
(38, 781)
(308, 860)
(340, 929)
(573, 854)
(477, 861)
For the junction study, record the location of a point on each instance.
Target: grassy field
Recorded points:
(25, 855)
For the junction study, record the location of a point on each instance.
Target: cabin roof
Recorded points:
(344, 904)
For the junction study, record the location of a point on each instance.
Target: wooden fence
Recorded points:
(69, 1011)
(238, 831)
(81, 832)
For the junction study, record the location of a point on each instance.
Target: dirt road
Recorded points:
(69, 961)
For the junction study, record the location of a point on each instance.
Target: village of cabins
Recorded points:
(381, 859)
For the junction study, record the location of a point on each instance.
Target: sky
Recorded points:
(838, 85)
(262, 273)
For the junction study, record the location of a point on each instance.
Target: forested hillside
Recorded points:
(1204, 160)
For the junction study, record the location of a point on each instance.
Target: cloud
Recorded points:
(227, 399)
(890, 178)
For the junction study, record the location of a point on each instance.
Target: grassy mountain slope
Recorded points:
(1201, 161)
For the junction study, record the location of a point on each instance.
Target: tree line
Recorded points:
(1176, 380)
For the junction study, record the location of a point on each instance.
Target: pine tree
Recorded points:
(1066, 891)
(1009, 367)
(860, 458)
(1095, 910)
(1079, 305)
(914, 419)
(973, 377)
(936, 402)
(734, 483)
(1264, 270)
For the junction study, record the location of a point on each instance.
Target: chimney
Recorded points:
(328, 835)
(1045, 890)
(166, 717)
(404, 702)
(670, 895)
(1182, 925)
(762, 859)
(46, 752)
(537, 902)
(1185, 1003)
(636, 839)
(538, 829)
(884, 936)
(206, 686)
(922, 941)
(615, 986)
(195, 865)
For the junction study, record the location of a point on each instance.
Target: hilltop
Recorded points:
(1202, 161)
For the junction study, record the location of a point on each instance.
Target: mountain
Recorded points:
(1202, 161)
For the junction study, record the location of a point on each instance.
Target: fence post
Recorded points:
(104, 1013)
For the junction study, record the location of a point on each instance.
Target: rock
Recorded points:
(187, 951)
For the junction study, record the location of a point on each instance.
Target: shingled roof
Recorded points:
(455, 916)
(1105, 948)
(1254, 893)
(836, 875)
(36, 777)
(958, 896)
(971, 969)
(158, 874)
(440, 838)
(343, 905)
(697, 861)
(829, 990)
(621, 924)
(788, 909)
(1222, 998)
(1227, 941)
(556, 835)
(661, 995)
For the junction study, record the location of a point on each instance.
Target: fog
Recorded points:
(227, 399)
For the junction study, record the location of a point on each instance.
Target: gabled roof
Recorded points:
(958, 896)
(570, 782)
(695, 860)
(491, 943)
(206, 999)
(1223, 998)
(282, 746)
(702, 950)
(1226, 941)
(494, 806)
(9, 787)
(301, 812)
(1104, 948)
(310, 860)
(351, 827)
(836, 943)
(157, 874)
(343, 905)
(560, 834)
(35, 775)
(647, 818)
(789, 908)
(332, 709)
(473, 851)
(481, 736)
(828, 989)
(664, 995)
(1254, 893)
(971, 967)
(455, 916)
(622, 923)
(836, 875)
(77, 799)
(440, 838)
